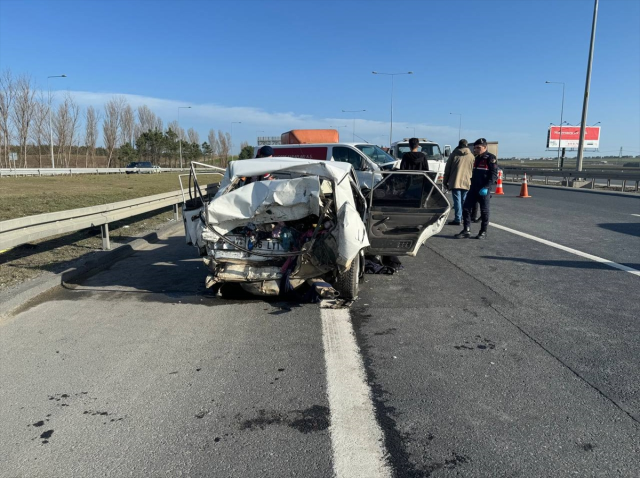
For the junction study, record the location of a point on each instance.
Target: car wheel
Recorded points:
(347, 282)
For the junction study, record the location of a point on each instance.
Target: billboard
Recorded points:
(571, 137)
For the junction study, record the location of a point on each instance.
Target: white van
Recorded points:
(366, 159)
(436, 160)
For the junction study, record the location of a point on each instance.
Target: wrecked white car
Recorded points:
(278, 223)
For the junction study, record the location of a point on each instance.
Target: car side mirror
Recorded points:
(447, 151)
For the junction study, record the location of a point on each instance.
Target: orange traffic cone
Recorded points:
(524, 191)
(499, 189)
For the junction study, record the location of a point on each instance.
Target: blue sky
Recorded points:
(281, 65)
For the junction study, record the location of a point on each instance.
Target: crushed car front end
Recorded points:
(275, 225)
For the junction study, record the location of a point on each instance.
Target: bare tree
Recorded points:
(213, 142)
(111, 125)
(224, 142)
(61, 130)
(146, 119)
(72, 126)
(159, 124)
(175, 127)
(40, 130)
(127, 125)
(23, 112)
(90, 135)
(7, 96)
(193, 136)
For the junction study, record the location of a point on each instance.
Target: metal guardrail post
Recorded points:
(106, 243)
(175, 212)
(624, 184)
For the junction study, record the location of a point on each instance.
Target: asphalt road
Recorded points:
(504, 357)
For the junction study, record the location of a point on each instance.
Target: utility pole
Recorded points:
(354, 121)
(391, 119)
(585, 104)
(459, 124)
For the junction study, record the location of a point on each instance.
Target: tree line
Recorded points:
(29, 125)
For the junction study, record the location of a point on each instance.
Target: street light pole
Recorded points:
(180, 132)
(354, 121)
(338, 127)
(587, 86)
(561, 113)
(391, 75)
(232, 123)
(53, 165)
(459, 125)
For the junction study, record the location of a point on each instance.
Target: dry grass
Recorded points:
(28, 196)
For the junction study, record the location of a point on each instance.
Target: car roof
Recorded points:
(254, 167)
(261, 166)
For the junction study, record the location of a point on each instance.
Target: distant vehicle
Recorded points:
(367, 159)
(435, 158)
(141, 167)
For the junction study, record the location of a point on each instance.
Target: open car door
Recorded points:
(405, 209)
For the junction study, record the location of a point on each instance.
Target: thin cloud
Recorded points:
(205, 116)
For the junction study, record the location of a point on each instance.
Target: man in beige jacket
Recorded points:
(457, 177)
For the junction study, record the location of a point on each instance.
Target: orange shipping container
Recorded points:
(310, 136)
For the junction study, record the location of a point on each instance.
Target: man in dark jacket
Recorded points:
(414, 160)
(485, 173)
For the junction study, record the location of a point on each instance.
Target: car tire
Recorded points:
(347, 282)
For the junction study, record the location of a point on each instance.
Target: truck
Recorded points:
(310, 136)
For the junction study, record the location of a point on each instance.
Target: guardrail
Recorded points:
(16, 172)
(608, 175)
(25, 229)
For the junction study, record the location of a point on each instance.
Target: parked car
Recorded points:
(280, 222)
(141, 167)
(131, 168)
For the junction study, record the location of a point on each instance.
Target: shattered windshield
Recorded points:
(431, 150)
(375, 154)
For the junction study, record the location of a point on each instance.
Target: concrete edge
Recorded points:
(582, 190)
(16, 296)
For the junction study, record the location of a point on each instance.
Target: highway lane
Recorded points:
(507, 357)
(502, 357)
(492, 367)
(137, 372)
(600, 224)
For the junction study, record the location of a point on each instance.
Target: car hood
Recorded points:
(289, 199)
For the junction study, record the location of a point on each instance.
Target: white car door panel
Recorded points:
(405, 209)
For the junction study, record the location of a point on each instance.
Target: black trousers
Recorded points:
(472, 198)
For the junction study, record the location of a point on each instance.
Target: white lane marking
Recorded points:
(607, 262)
(356, 439)
(636, 215)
